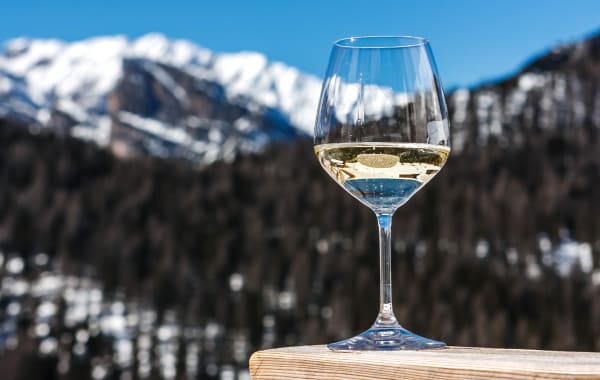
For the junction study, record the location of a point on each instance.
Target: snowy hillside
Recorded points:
(559, 90)
(68, 86)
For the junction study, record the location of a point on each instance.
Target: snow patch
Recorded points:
(154, 127)
(5, 85)
(99, 133)
(21, 55)
(529, 81)
(460, 98)
(571, 254)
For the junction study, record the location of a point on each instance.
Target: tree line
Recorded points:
(172, 234)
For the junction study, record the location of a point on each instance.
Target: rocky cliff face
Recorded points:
(166, 112)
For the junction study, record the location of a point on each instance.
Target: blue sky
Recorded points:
(473, 40)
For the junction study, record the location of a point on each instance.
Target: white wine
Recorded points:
(382, 175)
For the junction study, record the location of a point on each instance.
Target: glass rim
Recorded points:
(417, 41)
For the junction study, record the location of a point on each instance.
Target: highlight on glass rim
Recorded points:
(240, 190)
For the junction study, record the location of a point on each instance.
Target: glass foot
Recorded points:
(386, 338)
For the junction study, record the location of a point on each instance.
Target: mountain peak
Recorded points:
(178, 52)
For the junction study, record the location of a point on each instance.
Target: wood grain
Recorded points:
(319, 363)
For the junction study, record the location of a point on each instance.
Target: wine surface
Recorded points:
(382, 175)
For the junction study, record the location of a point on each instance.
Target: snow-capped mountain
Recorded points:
(173, 98)
(166, 97)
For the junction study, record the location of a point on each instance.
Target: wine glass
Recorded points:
(382, 133)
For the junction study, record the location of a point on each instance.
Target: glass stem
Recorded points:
(386, 317)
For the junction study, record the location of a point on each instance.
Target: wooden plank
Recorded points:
(319, 363)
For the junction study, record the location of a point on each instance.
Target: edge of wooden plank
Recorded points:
(317, 362)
